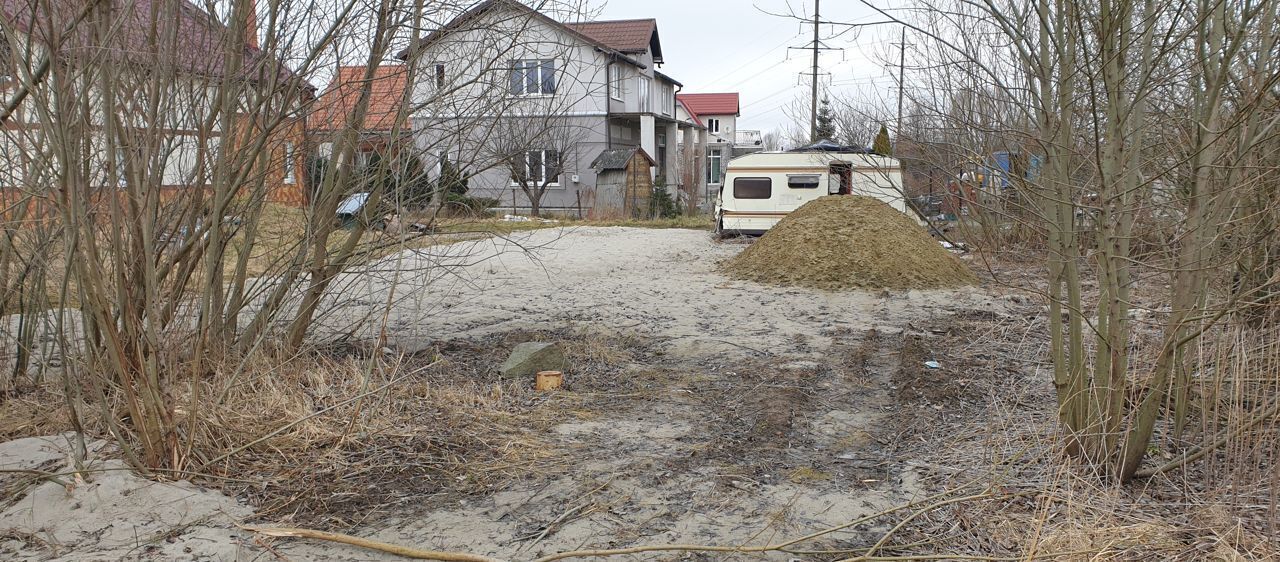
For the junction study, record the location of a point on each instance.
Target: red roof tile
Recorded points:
(692, 115)
(710, 104)
(183, 34)
(626, 36)
(386, 94)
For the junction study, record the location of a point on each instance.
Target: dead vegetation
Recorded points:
(348, 436)
(318, 437)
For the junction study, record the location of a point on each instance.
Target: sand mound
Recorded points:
(849, 241)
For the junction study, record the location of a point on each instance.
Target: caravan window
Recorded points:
(752, 188)
(805, 181)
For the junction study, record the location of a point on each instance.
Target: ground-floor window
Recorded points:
(289, 164)
(540, 166)
(713, 165)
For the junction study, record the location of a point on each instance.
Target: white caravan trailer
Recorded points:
(761, 188)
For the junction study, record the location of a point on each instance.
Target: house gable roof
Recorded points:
(462, 22)
(387, 89)
(693, 116)
(711, 104)
(624, 36)
(182, 34)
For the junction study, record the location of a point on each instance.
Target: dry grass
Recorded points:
(337, 437)
(1059, 503)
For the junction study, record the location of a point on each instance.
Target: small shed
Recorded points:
(624, 183)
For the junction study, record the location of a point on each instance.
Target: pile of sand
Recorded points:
(849, 241)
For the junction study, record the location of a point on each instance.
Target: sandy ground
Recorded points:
(767, 430)
(660, 283)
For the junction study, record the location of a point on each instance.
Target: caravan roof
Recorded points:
(808, 159)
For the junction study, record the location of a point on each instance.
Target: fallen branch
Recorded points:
(410, 552)
(405, 551)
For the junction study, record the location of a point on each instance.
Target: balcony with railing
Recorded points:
(747, 138)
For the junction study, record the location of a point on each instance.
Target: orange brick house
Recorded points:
(385, 127)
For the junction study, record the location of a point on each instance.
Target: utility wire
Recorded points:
(754, 60)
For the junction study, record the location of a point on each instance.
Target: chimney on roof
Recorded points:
(251, 25)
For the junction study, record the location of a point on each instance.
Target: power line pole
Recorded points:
(902, 85)
(813, 102)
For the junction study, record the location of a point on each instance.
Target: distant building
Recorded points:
(718, 114)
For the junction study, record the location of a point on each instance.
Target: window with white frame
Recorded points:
(713, 165)
(540, 167)
(438, 70)
(533, 77)
(290, 177)
(646, 102)
(121, 165)
(615, 82)
(713, 125)
(668, 99)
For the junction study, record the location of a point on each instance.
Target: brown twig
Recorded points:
(405, 551)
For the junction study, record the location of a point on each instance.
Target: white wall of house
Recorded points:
(727, 125)
(613, 100)
(478, 64)
(165, 143)
(459, 120)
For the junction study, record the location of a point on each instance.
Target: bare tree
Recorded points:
(1098, 107)
(534, 150)
(156, 164)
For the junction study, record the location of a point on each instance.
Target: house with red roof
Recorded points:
(718, 113)
(516, 97)
(385, 126)
(162, 127)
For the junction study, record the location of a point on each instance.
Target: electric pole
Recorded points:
(902, 85)
(813, 101)
(816, 47)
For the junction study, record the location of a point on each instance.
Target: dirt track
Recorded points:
(748, 414)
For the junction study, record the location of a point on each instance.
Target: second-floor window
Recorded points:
(646, 102)
(533, 77)
(667, 99)
(439, 75)
(615, 82)
(713, 125)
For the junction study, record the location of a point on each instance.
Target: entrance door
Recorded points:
(844, 172)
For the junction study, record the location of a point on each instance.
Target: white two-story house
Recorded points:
(510, 95)
(718, 113)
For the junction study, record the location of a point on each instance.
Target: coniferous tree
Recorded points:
(881, 145)
(826, 128)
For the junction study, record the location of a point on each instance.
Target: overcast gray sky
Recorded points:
(732, 46)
